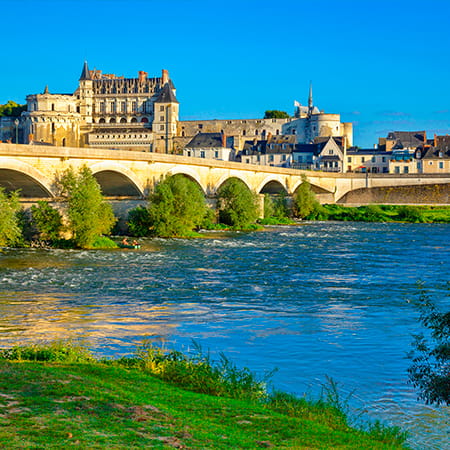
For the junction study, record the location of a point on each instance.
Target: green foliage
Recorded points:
(58, 351)
(276, 206)
(275, 114)
(410, 214)
(10, 231)
(12, 109)
(304, 201)
(89, 215)
(47, 221)
(104, 242)
(237, 204)
(177, 207)
(430, 369)
(200, 373)
(139, 222)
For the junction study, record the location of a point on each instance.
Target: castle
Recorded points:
(109, 111)
(106, 111)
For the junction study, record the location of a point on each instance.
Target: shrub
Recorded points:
(139, 222)
(47, 221)
(304, 201)
(430, 369)
(10, 231)
(237, 204)
(177, 207)
(89, 215)
(410, 214)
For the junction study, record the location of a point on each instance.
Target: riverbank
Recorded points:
(69, 399)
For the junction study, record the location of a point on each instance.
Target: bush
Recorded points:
(139, 222)
(177, 207)
(430, 369)
(304, 201)
(410, 214)
(10, 231)
(237, 204)
(47, 221)
(89, 215)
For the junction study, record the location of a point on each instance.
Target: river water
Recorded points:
(318, 300)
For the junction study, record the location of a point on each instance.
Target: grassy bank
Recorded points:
(61, 397)
(383, 213)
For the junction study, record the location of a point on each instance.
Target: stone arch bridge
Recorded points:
(125, 174)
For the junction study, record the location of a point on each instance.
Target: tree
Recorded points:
(275, 114)
(177, 207)
(89, 215)
(237, 204)
(276, 206)
(430, 369)
(12, 109)
(304, 201)
(10, 231)
(47, 221)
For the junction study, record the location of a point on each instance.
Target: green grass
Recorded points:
(385, 213)
(59, 396)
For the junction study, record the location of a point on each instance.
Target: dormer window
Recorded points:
(441, 154)
(418, 154)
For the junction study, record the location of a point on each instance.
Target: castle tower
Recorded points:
(165, 117)
(86, 94)
(310, 100)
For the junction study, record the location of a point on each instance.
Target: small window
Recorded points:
(161, 108)
(363, 159)
(202, 153)
(349, 159)
(161, 118)
(441, 165)
(216, 154)
(374, 159)
(383, 159)
(161, 127)
(405, 169)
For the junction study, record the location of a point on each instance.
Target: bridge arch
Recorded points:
(272, 185)
(189, 173)
(117, 180)
(227, 177)
(18, 175)
(314, 187)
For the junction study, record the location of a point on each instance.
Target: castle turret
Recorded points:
(85, 94)
(165, 118)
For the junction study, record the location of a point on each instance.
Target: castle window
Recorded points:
(123, 106)
(102, 107)
(202, 153)
(53, 106)
(123, 120)
(161, 108)
(256, 132)
(113, 107)
(200, 126)
(216, 154)
(134, 106)
(278, 132)
(244, 132)
(161, 118)
(441, 165)
(161, 127)
(349, 159)
(330, 152)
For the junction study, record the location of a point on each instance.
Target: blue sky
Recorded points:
(383, 65)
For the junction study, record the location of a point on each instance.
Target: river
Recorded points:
(316, 300)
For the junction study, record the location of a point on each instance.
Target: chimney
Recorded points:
(435, 140)
(224, 140)
(142, 76)
(165, 77)
(269, 136)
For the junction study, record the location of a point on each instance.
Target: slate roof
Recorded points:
(433, 153)
(85, 74)
(166, 95)
(206, 140)
(407, 139)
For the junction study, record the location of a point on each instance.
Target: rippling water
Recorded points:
(316, 300)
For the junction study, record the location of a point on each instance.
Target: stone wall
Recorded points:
(426, 195)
